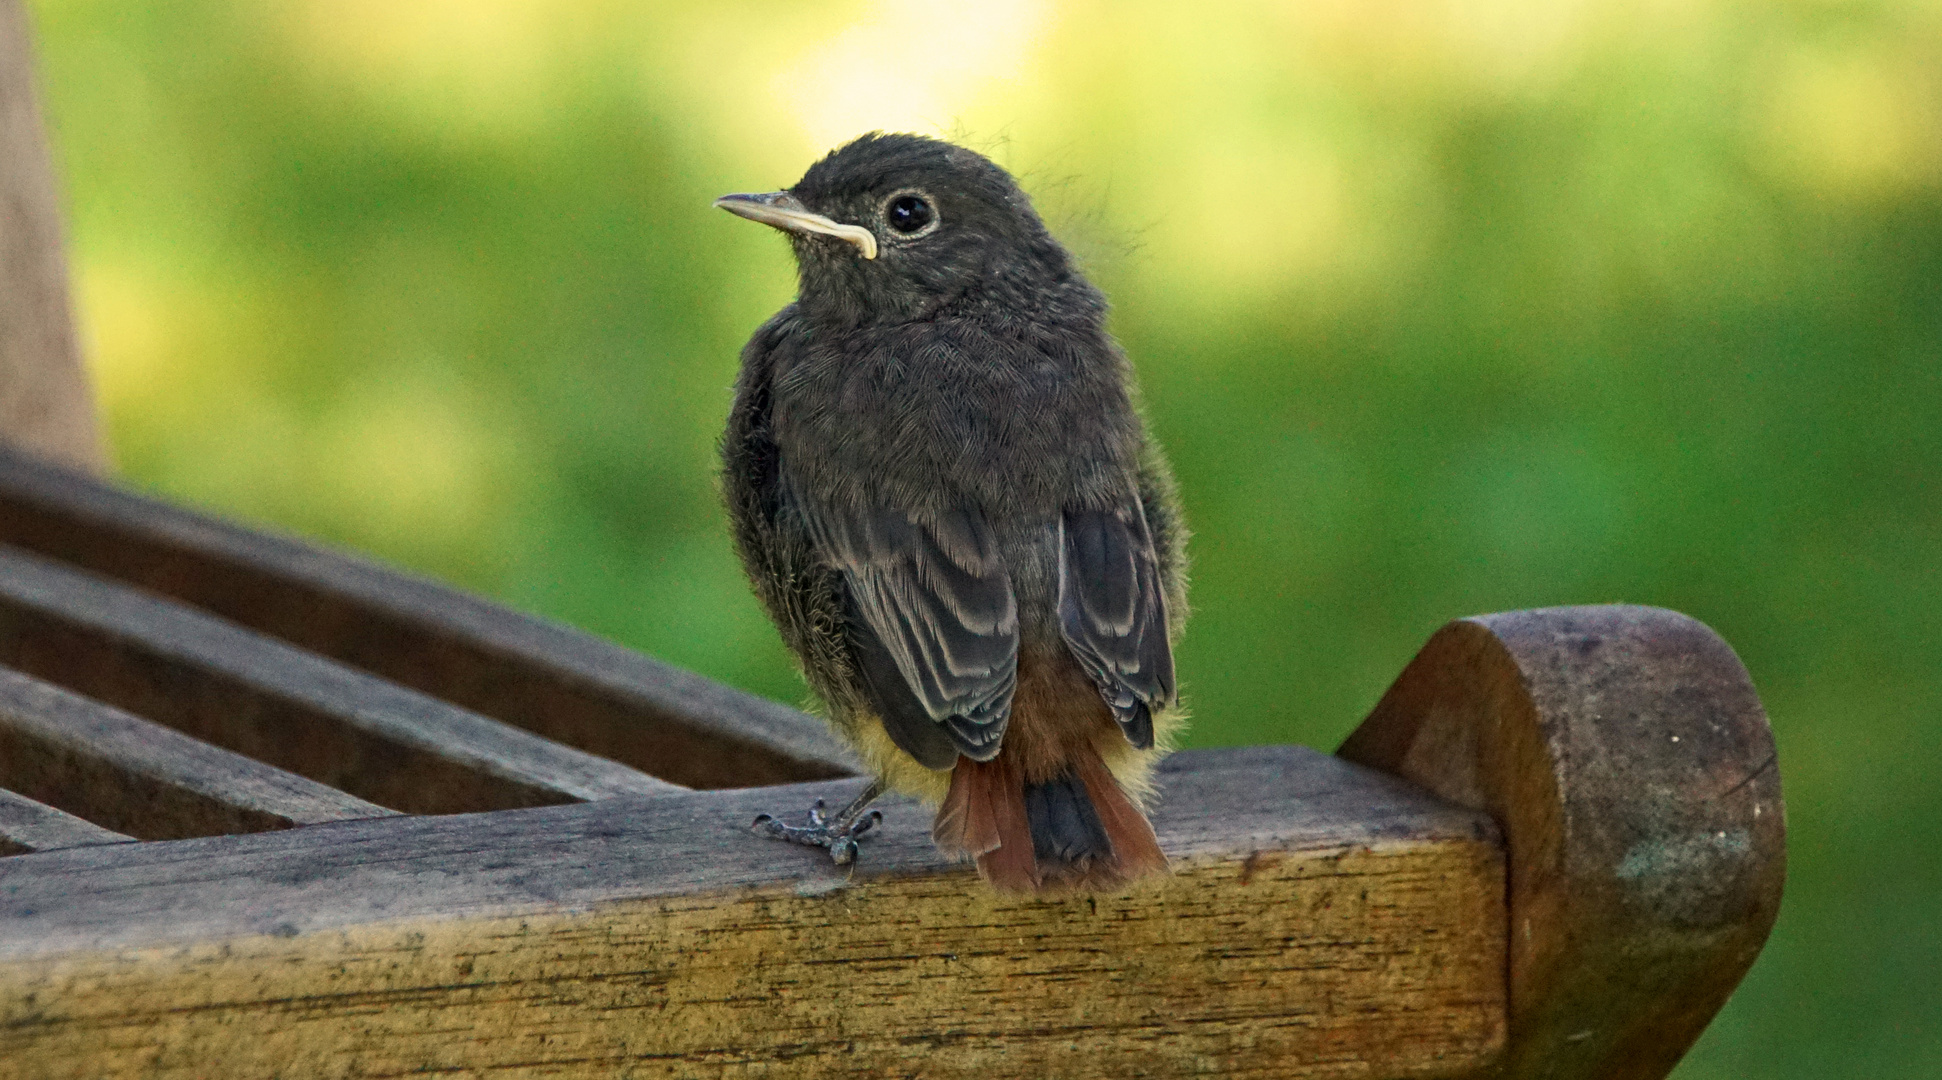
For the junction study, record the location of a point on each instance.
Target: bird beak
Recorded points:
(785, 211)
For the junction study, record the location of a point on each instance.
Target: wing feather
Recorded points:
(1112, 612)
(935, 622)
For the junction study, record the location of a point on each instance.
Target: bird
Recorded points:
(940, 485)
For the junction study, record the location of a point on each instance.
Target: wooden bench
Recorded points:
(387, 828)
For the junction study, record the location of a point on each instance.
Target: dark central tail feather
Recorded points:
(1065, 828)
(1076, 831)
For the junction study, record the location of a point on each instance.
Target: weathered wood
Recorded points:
(26, 825)
(259, 697)
(538, 675)
(121, 771)
(45, 406)
(1323, 920)
(1629, 761)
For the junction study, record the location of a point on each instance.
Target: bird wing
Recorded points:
(1114, 616)
(934, 624)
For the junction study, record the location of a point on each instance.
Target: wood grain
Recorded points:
(215, 681)
(45, 405)
(1627, 757)
(27, 826)
(529, 672)
(1324, 920)
(122, 772)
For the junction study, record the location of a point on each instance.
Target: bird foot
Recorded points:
(839, 834)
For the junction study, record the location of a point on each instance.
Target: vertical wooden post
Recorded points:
(45, 404)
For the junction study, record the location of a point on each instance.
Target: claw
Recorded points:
(838, 834)
(842, 851)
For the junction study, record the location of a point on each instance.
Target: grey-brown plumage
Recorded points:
(942, 493)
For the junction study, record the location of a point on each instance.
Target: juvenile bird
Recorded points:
(941, 490)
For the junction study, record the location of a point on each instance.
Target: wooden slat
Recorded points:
(538, 675)
(259, 697)
(1630, 762)
(1322, 920)
(26, 825)
(125, 773)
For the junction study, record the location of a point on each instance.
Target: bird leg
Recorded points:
(839, 834)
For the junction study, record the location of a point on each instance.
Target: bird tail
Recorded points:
(1076, 831)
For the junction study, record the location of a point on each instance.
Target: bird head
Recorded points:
(896, 228)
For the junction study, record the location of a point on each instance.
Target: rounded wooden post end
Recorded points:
(1627, 758)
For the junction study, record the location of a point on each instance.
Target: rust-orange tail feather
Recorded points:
(1076, 831)
(1136, 851)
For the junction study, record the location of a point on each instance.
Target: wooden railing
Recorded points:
(388, 828)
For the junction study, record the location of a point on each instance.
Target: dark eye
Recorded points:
(909, 213)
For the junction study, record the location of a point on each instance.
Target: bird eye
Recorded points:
(909, 213)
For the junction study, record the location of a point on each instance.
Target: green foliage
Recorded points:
(1439, 309)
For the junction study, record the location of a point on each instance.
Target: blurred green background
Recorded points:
(1441, 307)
